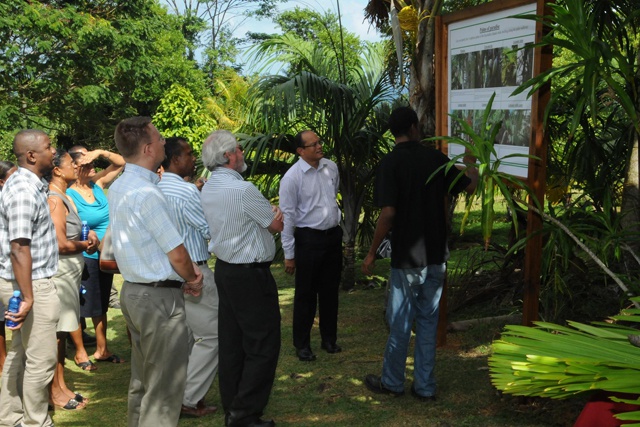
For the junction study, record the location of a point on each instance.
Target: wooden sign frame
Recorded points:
(483, 18)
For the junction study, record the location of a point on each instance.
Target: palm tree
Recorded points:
(346, 106)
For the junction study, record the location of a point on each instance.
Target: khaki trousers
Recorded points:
(30, 362)
(156, 320)
(202, 320)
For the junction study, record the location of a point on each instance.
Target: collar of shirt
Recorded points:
(306, 166)
(406, 145)
(40, 183)
(172, 176)
(221, 170)
(143, 173)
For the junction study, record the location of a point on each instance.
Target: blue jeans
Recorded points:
(415, 295)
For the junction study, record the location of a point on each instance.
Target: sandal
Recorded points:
(86, 366)
(112, 359)
(71, 405)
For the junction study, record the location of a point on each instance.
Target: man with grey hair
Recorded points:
(28, 260)
(241, 222)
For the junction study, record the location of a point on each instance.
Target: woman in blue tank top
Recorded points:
(88, 195)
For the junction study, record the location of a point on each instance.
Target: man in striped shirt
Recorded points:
(202, 311)
(241, 221)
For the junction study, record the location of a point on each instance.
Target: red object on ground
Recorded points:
(600, 410)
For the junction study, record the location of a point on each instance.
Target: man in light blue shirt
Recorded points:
(157, 269)
(202, 311)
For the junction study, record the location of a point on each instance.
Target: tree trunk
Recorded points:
(630, 209)
(630, 204)
(351, 212)
(422, 71)
(349, 265)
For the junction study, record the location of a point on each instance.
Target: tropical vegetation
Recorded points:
(345, 102)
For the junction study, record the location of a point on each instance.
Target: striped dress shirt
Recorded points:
(238, 216)
(141, 227)
(24, 214)
(186, 211)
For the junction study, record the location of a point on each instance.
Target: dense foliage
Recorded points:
(76, 68)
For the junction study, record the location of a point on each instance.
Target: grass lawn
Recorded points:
(329, 391)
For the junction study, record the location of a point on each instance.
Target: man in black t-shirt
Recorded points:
(413, 206)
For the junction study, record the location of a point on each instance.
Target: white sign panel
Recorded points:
(486, 57)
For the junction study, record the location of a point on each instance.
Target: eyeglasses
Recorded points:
(315, 144)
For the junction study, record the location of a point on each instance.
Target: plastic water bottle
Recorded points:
(84, 234)
(14, 307)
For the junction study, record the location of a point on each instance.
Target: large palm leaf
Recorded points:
(555, 361)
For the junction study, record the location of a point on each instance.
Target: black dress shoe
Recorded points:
(305, 354)
(262, 423)
(331, 347)
(231, 422)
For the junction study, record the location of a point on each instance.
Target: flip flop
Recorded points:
(112, 359)
(80, 398)
(71, 405)
(86, 366)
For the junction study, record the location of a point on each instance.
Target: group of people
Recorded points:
(179, 312)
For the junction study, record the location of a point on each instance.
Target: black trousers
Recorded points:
(318, 256)
(249, 338)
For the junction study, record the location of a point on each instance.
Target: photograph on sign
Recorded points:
(490, 54)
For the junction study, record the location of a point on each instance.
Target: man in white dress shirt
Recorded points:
(312, 243)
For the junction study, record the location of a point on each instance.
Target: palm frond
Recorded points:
(555, 361)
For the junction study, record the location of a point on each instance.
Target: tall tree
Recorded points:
(346, 105)
(210, 24)
(418, 31)
(78, 67)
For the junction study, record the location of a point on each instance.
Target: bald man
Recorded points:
(28, 260)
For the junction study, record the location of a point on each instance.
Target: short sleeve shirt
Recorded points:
(141, 227)
(419, 235)
(24, 214)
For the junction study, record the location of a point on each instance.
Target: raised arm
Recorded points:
(105, 177)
